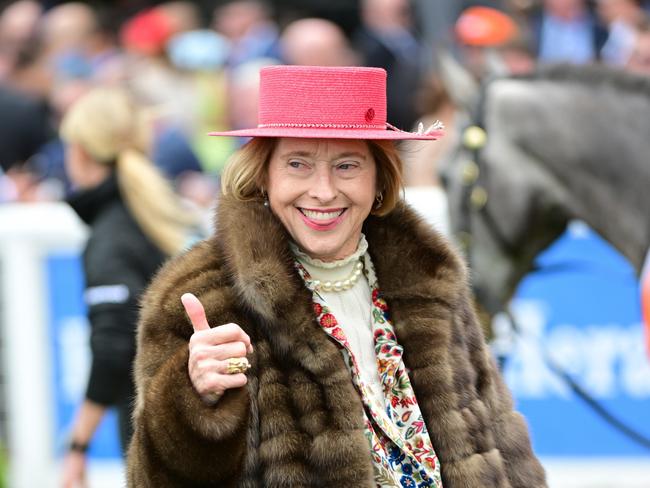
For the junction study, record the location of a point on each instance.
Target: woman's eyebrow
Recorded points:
(351, 154)
(303, 154)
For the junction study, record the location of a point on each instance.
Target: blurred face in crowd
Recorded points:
(18, 21)
(316, 42)
(626, 10)
(68, 27)
(387, 14)
(566, 9)
(322, 190)
(235, 19)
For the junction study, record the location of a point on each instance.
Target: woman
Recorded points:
(324, 336)
(135, 222)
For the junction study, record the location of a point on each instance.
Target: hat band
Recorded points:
(326, 126)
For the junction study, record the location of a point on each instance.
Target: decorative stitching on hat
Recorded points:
(326, 126)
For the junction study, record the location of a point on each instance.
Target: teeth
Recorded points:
(321, 215)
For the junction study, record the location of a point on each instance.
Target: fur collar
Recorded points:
(413, 263)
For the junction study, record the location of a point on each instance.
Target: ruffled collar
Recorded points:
(362, 247)
(339, 271)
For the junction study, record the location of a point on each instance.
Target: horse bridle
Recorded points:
(474, 195)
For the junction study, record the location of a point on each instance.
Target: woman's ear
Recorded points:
(263, 183)
(84, 155)
(81, 168)
(78, 154)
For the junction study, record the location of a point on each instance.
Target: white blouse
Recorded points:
(352, 309)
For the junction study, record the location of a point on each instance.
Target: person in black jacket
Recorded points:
(135, 221)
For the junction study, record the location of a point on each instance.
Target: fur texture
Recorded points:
(299, 421)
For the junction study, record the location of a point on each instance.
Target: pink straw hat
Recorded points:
(326, 103)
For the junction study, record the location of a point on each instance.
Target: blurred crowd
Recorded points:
(195, 69)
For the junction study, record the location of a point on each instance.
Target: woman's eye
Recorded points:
(295, 164)
(346, 166)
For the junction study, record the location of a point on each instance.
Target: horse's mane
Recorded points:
(597, 76)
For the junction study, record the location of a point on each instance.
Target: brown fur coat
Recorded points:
(299, 421)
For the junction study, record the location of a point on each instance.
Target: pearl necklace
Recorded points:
(340, 285)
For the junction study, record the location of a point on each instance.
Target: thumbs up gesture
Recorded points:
(217, 359)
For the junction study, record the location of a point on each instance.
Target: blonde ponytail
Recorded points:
(152, 202)
(113, 130)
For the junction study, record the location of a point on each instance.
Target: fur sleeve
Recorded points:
(508, 427)
(178, 439)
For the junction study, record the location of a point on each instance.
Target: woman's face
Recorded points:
(322, 190)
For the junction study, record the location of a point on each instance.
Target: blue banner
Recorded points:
(582, 309)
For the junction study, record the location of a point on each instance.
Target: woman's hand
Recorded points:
(74, 470)
(210, 352)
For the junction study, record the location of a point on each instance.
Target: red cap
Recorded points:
(485, 27)
(147, 32)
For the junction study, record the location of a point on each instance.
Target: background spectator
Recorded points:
(567, 30)
(623, 19)
(639, 60)
(247, 24)
(135, 222)
(317, 42)
(386, 40)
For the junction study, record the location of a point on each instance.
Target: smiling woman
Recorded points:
(245, 174)
(321, 182)
(324, 336)
(322, 192)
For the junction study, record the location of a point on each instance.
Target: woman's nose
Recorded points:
(323, 186)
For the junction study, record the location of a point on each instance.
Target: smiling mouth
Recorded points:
(322, 216)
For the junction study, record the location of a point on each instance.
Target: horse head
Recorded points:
(563, 143)
(503, 211)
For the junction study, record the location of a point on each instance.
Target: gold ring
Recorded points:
(237, 365)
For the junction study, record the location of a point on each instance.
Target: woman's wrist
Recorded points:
(78, 446)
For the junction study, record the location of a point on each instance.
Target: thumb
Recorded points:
(195, 311)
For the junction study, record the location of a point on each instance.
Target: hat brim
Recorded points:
(324, 133)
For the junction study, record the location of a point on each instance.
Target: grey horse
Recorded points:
(561, 144)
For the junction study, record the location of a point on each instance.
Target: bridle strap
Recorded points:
(474, 196)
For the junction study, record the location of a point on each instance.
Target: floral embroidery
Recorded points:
(327, 320)
(399, 442)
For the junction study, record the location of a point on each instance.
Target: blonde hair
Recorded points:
(245, 172)
(109, 126)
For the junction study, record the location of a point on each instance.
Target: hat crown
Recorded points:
(327, 97)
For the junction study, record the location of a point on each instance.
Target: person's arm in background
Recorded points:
(113, 287)
(88, 418)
